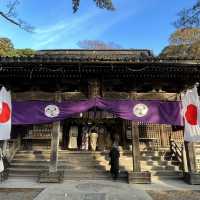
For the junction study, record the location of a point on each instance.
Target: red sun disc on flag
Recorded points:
(5, 113)
(191, 114)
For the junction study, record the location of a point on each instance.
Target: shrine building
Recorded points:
(65, 149)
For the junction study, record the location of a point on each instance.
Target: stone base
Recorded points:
(51, 177)
(192, 178)
(139, 177)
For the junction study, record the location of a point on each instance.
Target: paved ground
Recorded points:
(97, 190)
(19, 193)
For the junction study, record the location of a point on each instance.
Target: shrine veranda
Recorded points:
(72, 75)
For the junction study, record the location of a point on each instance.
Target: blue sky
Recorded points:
(144, 24)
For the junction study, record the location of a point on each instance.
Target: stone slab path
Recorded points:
(101, 190)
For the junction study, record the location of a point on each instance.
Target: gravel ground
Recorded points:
(18, 193)
(175, 195)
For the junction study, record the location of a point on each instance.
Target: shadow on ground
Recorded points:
(18, 193)
(175, 195)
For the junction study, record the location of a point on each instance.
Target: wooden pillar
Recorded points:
(124, 127)
(137, 176)
(189, 148)
(135, 142)
(163, 137)
(55, 141)
(185, 164)
(94, 88)
(135, 148)
(54, 147)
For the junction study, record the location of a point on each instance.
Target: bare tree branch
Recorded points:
(189, 18)
(97, 44)
(104, 4)
(11, 17)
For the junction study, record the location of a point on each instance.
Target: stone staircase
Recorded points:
(90, 165)
(159, 163)
(75, 164)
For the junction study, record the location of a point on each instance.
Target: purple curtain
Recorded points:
(38, 112)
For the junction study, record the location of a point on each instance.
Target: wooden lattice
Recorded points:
(177, 136)
(196, 147)
(158, 135)
(150, 134)
(40, 131)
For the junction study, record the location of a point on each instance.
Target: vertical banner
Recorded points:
(5, 114)
(191, 114)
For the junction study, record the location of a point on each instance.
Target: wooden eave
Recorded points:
(41, 67)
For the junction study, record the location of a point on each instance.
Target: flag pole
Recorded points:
(188, 151)
(184, 156)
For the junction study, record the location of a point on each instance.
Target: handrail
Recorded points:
(13, 147)
(176, 151)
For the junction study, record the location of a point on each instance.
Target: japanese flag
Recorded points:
(5, 114)
(191, 114)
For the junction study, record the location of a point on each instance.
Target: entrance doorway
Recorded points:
(92, 135)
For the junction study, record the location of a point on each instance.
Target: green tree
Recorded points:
(7, 49)
(185, 36)
(6, 46)
(183, 43)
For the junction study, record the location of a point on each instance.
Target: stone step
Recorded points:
(159, 162)
(68, 170)
(90, 165)
(41, 157)
(38, 161)
(64, 167)
(82, 153)
(152, 158)
(167, 173)
(151, 153)
(157, 168)
(122, 174)
(65, 154)
(69, 176)
(61, 162)
(24, 175)
(67, 173)
(83, 156)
